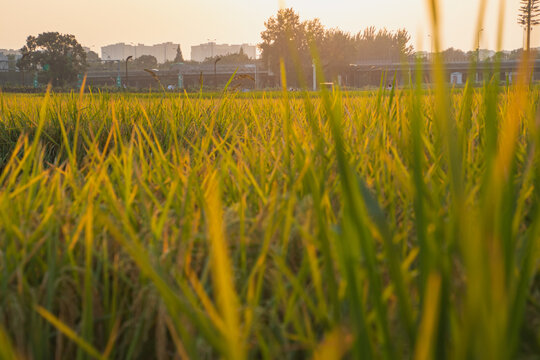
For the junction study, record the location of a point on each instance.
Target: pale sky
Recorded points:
(101, 22)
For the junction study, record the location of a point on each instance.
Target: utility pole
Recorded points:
(314, 77)
(478, 55)
(528, 26)
(430, 46)
(478, 45)
(127, 78)
(22, 68)
(528, 46)
(254, 66)
(215, 71)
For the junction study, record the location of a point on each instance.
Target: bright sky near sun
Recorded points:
(101, 22)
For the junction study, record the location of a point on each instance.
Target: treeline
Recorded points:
(289, 38)
(456, 55)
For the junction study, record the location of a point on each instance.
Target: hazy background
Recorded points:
(101, 22)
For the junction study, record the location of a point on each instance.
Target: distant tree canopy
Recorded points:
(238, 58)
(145, 62)
(59, 58)
(179, 57)
(456, 55)
(287, 37)
(92, 57)
(516, 55)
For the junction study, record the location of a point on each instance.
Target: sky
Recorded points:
(96, 23)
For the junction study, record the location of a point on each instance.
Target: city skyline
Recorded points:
(241, 21)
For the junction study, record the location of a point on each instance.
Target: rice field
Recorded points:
(378, 225)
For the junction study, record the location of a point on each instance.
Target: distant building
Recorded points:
(211, 49)
(4, 65)
(5, 60)
(162, 52)
(7, 52)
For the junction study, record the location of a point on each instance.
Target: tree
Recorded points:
(288, 38)
(283, 36)
(528, 17)
(179, 57)
(92, 57)
(337, 52)
(229, 59)
(59, 58)
(382, 45)
(455, 55)
(145, 62)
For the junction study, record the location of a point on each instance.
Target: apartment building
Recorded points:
(162, 52)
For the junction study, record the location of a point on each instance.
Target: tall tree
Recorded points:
(382, 45)
(59, 58)
(282, 40)
(528, 17)
(288, 38)
(179, 57)
(338, 50)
